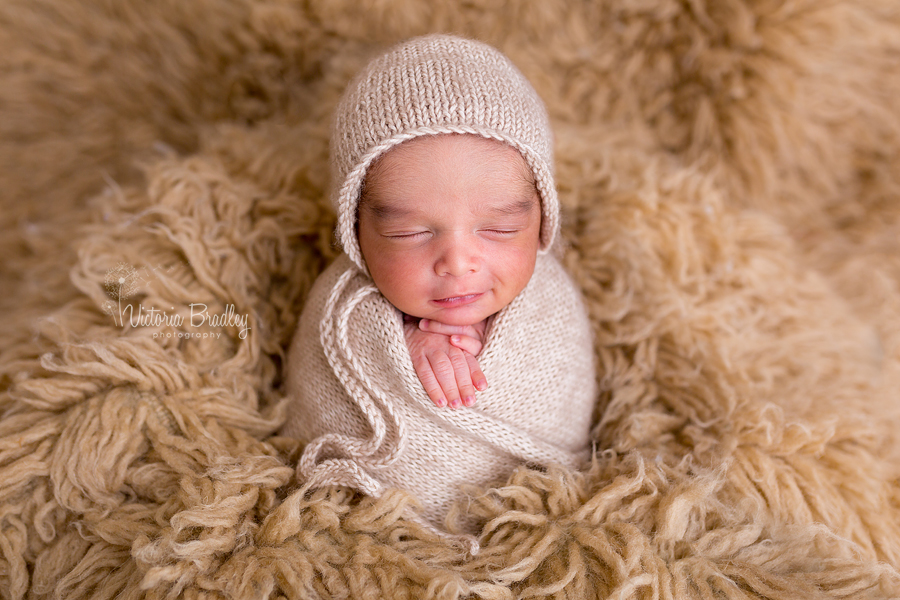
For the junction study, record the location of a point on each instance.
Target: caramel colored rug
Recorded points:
(730, 178)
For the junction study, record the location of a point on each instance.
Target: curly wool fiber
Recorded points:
(728, 177)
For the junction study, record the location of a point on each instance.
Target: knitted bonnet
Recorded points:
(430, 85)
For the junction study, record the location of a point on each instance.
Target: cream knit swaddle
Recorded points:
(358, 402)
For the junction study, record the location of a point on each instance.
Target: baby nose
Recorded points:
(457, 258)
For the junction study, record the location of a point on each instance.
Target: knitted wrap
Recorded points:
(369, 423)
(437, 84)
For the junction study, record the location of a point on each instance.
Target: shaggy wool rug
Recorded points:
(730, 178)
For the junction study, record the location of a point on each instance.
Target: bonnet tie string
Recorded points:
(388, 439)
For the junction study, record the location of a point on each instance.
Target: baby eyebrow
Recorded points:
(385, 212)
(515, 208)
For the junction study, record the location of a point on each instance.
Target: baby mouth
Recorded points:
(458, 300)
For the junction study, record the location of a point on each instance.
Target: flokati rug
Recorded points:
(730, 179)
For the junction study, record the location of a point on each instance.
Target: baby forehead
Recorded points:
(382, 210)
(440, 154)
(451, 175)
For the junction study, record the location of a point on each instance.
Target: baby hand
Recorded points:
(464, 337)
(448, 373)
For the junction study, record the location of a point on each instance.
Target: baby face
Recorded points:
(449, 227)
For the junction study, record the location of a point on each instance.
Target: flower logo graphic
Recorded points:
(120, 282)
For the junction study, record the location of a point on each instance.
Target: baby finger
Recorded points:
(478, 378)
(429, 382)
(463, 377)
(433, 326)
(445, 373)
(469, 344)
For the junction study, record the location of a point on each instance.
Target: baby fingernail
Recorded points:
(454, 403)
(441, 402)
(469, 400)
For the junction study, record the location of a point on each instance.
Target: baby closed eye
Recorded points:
(419, 235)
(504, 232)
(406, 235)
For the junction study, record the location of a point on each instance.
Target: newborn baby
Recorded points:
(447, 210)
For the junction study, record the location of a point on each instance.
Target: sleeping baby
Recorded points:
(446, 345)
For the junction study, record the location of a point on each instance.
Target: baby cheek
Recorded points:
(518, 261)
(406, 277)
